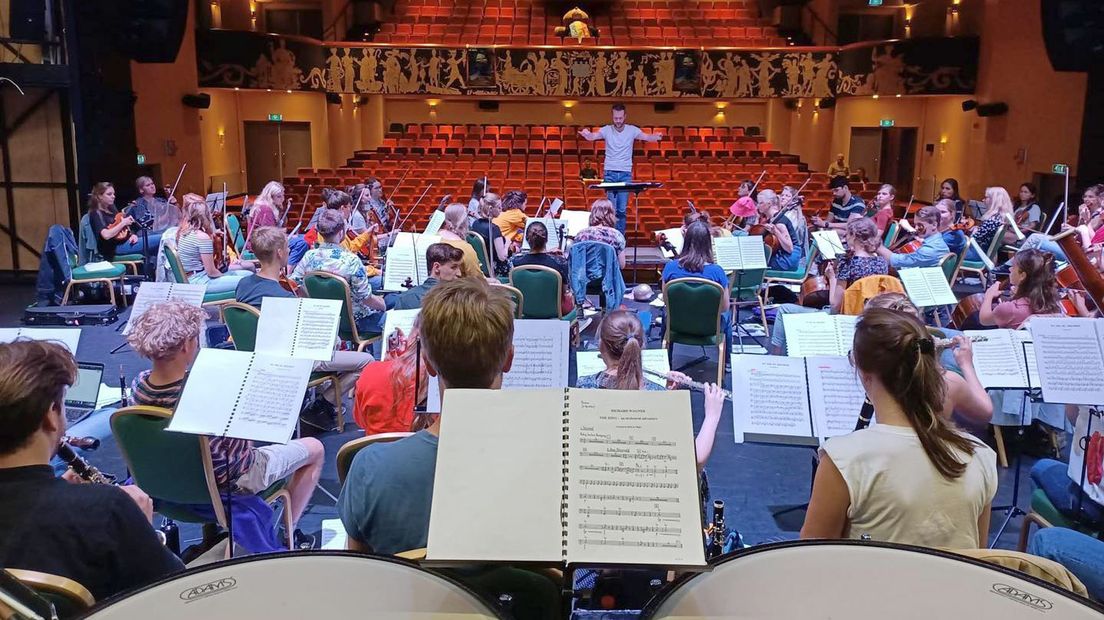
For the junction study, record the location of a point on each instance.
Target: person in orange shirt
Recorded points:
(512, 219)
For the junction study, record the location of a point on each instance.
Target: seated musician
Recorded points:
(789, 253)
(1080, 553)
(955, 239)
(1052, 476)
(845, 206)
(101, 217)
(512, 219)
(443, 264)
(168, 335)
(1090, 232)
(480, 188)
(467, 332)
(602, 228)
(266, 209)
(881, 209)
(998, 208)
(271, 248)
(931, 250)
(331, 257)
(538, 254)
(621, 339)
(1034, 291)
(696, 261)
(195, 246)
(164, 213)
(717, 231)
(1027, 209)
(387, 391)
(97, 535)
(454, 231)
(490, 206)
(379, 211)
(911, 478)
(789, 197)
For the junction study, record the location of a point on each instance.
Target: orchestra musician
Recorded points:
(948, 190)
(195, 247)
(912, 478)
(953, 236)
(932, 248)
(998, 208)
(379, 211)
(163, 211)
(788, 255)
(881, 208)
(1090, 233)
(845, 206)
(266, 210)
(112, 229)
(1034, 292)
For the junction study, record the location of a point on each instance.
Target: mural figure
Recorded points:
(333, 71)
(348, 66)
(367, 65)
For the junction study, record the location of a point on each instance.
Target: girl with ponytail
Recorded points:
(1035, 292)
(621, 341)
(912, 477)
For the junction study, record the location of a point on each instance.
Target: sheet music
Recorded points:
(398, 319)
(435, 222)
(554, 207)
(740, 253)
(220, 398)
(836, 395)
(334, 536)
(540, 354)
(553, 226)
(770, 396)
(216, 201)
(576, 220)
(828, 243)
(406, 259)
(675, 238)
(298, 328)
(655, 360)
(927, 287)
(68, 336)
(633, 479)
(150, 293)
(818, 333)
(999, 358)
(1070, 359)
(503, 503)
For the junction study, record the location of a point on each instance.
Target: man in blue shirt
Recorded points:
(933, 248)
(467, 342)
(845, 206)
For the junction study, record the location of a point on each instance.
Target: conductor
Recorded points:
(619, 139)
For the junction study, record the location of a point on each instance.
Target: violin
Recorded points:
(124, 232)
(663, 242)
(971, 304)
(291, 286)
(768, 237)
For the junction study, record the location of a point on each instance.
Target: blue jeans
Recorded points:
(153, 238)
(778, 331)
(620, 199)
(1050, 476)
(780, 261)
(1043, 243)
(371, 324)
(1082, 555)
(226, 282)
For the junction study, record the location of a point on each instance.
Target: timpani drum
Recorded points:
(860, 580)
(308, 584)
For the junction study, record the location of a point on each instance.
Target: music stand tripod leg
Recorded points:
(1013, 510)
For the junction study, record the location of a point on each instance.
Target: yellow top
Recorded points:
(469, 265)
(512, 224)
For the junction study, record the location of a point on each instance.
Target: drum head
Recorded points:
(300, 585)
(862, 581)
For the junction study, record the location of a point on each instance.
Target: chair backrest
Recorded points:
(349, 450)
(861, 290)
(238, 239)
(694, 306)
(326, 285)
(542, 289)
(949, 263)
(996, 242)
(890, 233)
(68, 597)
(479, 244)
(518, 299)
(173, 467)
(174, 265)
(743, 286)
(241, 320)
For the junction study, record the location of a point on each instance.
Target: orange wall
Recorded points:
(167, 130)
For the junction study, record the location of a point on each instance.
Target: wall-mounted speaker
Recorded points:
(998, 108)
(791, 104)
(488, 106)
(199, 100)
(664, 107)
(827, 103)
(333, 98)
(969, 104)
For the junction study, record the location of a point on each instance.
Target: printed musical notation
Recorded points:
(625, 527)
(639, 471)
(618, 512)
(629, 498)
(606, 440)
(629, 483)
(647, 544)
(623, 455)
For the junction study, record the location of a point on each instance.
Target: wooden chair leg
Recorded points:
(1002, 456)
(720, 362)
(68, 288)
(1025, 528)
(339, 404)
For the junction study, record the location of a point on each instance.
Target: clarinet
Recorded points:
(718, 533)
(866, 414)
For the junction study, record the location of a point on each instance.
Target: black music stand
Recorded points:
(635, 187)
(1013, 510)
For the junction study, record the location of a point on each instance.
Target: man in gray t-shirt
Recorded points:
(619, 139)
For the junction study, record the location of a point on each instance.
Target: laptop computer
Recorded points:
(81, 397)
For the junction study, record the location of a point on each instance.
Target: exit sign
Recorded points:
(875, 2)
(276, 118)
(141, 159)
(887, 122)
(1060, 168)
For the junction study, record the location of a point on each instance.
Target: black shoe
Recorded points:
(320, 414)
(303, 541)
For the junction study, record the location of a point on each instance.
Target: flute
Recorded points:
(694, 385)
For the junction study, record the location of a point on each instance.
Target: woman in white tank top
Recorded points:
(912, 477)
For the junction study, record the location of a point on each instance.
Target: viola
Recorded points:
(124, 232)
(661, 239)
(814, 292)
(971, 304)
(290, 286)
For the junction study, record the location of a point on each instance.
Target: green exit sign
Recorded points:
(887, 122)
(1060, 168)
(141, 159)
(875, 2)
(276, 118)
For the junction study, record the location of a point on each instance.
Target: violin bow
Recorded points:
(225, 227)
(303, 209)
(398, 225)
(172, 191)
(757, 181)
(401, 179)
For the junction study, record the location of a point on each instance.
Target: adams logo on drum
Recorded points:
(208, 589)
(1021, 596)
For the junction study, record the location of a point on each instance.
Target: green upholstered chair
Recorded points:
(241, 321)
(175, 469)
(978, 267)
(949, 264)
(694, 309)
(1043, 513)
(349, 450)
(746, 290)
(542, 289)
(134, 263)
(517, 298)
(81, 275)
(479, 244)
(797, 276)
(891, 233)
(326, 285)
(177, 269)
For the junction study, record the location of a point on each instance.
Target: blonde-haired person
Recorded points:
(467, 330)
(621, 341)
(602, 228)
(195, 247)
(998, 207)
(163, 212)
(912, 478)
(266, 210)
(454, 231)
(168, 335)
(489, 208)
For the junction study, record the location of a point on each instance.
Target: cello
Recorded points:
(1091, 279)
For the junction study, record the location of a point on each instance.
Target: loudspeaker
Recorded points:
(992, 109)
(969, 104)
(28, 20)
(333, 98)
(827, 103)
(1073, 31)
(791, 104)
(201, 101)
(488, 106)
(151, 30)
(663, 107)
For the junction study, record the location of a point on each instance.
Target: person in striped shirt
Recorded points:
(168, 335)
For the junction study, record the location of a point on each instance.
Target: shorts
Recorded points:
(272, 463)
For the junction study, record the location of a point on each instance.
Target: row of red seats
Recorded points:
(553, 130)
